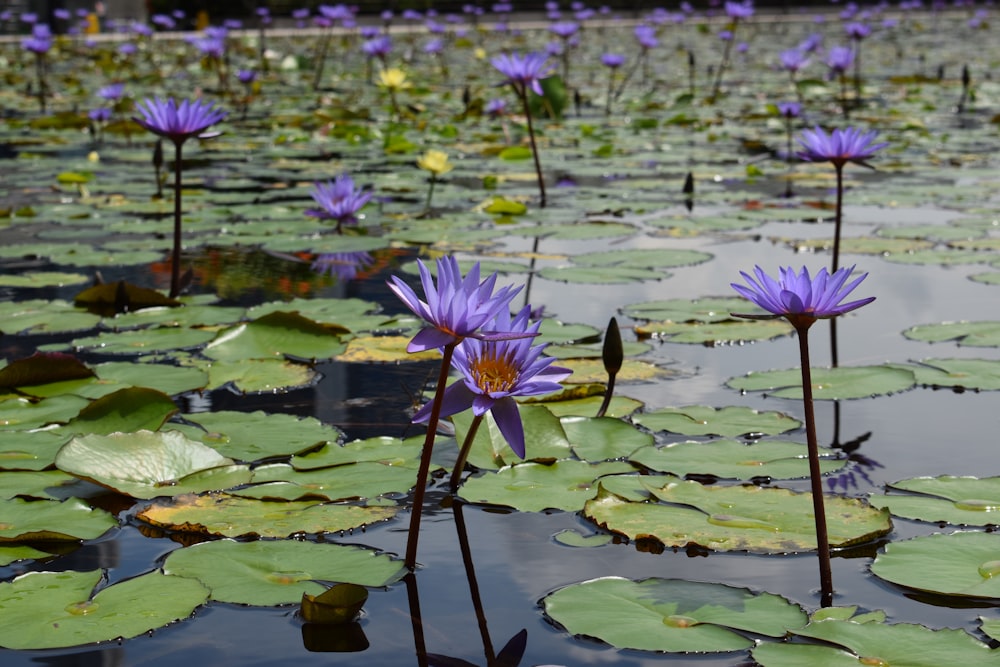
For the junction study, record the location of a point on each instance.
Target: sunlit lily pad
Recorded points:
(731, 459)
(534, 487)
(572, 538)
(588, 371)
(18, 552)
(352, 314)
(145, 341)
(670, 615)
(383, 349)
(363, 480)
(38, 316)
(602, 439)
(251, 436)
(601, 275)
(50, 520)
(962, 564)
(732, 421)
(30, 450)
(252, 376)
(55, 609)
(848, 643)
(543, 434)
(124, 410)
(147, 464)
(384, 450)
(37, 279)
(22, 413)
(829, 383)
(171, 380)
(966, 501)
(642, 257)
(735, 518)
(729, 331)
(267, 573)
(277, 334)
(229, 516)
(970, 334)
(972, 374)
(33, 485)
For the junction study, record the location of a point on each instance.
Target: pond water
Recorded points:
(251, 244)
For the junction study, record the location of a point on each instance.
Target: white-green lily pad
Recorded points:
(963, 564)
(275, 335)
(963, 501)
(968, 334)
(145, 341)
(832, 384)
(848, 643)
(50, 520)
(44, 610)
(268, 573)
(643, 258)
(147, 464)
(969, 374)
(730, 422)
(534, 487)
(735, 518)
(229, 516)
(670, 615)
(250, 376)
(732, 459)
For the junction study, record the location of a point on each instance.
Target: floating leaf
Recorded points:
(267, 573)
(43, 368)
(44, 610)
(384, 450)
(535, 487)
(251, 436)
(829, 383)
(277, 334)
(730, 331)
(730, 422)
(964, 564)
(365, 480)
(339, 605)
(39, 316)
(967, 501)
(670, 615)
(125, 410)
(970, 334)
(571, 538)
(730, 459)
(603, 438)
(543, 433)
(50, 520)
(972, 374)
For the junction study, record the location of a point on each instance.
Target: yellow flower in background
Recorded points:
(393, 79)
(480, 53)
(436, 162)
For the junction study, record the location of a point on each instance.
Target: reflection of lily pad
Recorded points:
(829, 383)
(735, 518)
(265, 572)
(55, 609)
(730, 422)
(966, 501)
(964, 564)
(731, 459)
(670, 615)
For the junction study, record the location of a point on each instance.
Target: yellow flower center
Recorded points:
(493, 373)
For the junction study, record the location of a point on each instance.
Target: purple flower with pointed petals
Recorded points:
(794, 59)
(857, 31)
(523, 71)
(495, 371)
(246, 76)
(739, 10)
(789, 109)
(839, 59)
(175, 121)
(456, 308)
(99, 115)
(564, 29)
(840, 146)
(646, 36)
(797, 296)
(378, 47)
(339, 200)
(613, 60)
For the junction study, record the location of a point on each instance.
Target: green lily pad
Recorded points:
(543, 434)
(23, 413)
(148, 464)
(719, 333)
(250, 376)
(18, 552)
(535, 487)
(729, 422)
(33, 485)
(30, 450)
(252, 436)
(735, 518)
(384, 450)
(855, 643)
(643, 258)
(129, 409)
(46, 610)
(39, 279)
(50, 520)
(941, 257)
(229, 516)
(964, 501)
(383, 349)
(731, 459)
(277, 334)
(601, 275)
(170, 380)
(364, 480)
(571, 538)
(603, 439)
(970, 374)
(962, 564)
(830, 383)
(591, 371)
(352, 314)
(969, 334)
(268, 573)
(37, 316)
(670, 615)
(145, 341)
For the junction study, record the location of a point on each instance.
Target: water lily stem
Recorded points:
(463, 454)
(175, 258)
(523, 92)
(838, 216)
(425, 458)
(815, 474)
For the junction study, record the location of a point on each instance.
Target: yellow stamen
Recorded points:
(493, 373)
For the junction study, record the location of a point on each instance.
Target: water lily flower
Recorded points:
(338, 200)
(456, 307)
(840, 146)
(436, 162)
(794, 59)
(393, 79)
(178, 122)
(800, 298)
(112, 92)
(525, 71)
(839, 59)
(495, 372)
(378, 47)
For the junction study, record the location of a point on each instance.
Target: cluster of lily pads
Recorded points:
(96, 389)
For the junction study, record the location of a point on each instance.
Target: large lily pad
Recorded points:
(965, 501)
(534, 487)
(266, 573)
(830, 383)
(604, 438)
(229, 516)
(54, 609)
(732, 459)
(147, 464)
(963, 564)
(278, 334)
(973, 374)
(670, 615)
(129, 409)
(543, 434)
(259, 435)
(50, 520)
(735, 518)
(384, 450)
(363, 480)
(731, 421)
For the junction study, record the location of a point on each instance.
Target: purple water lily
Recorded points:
(175, 121)
(523, 71)
(338, 200)
(456, 308)
(495, 371)
(799, 297)
(840, 146)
